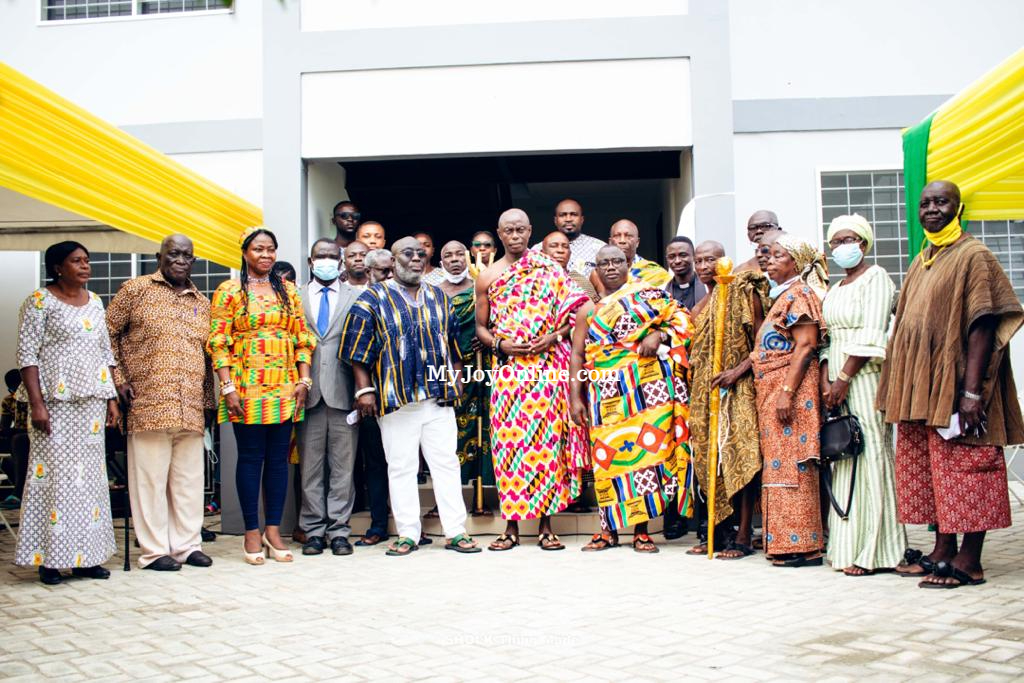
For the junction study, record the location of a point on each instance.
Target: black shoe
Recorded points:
(164, 563)
(674, 531)
(314, 545)
(197, 558)
(208, 536)
(51, 577)
(96, 572)
(341, 546)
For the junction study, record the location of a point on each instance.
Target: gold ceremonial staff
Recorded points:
(723, 276)
(478, 499)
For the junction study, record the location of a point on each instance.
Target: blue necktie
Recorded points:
(323, 317)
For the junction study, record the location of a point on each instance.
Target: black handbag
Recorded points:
(841, 439)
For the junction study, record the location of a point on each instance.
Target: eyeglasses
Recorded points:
(345, 215)
(616, 261)
(762, 227)
(483, 244)
(184, 256)
(409, 253)
(846, 240)
(515, 230)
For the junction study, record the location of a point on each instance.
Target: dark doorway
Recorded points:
(454, 197)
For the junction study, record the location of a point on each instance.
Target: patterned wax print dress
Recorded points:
(65, 516)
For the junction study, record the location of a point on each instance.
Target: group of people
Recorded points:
(566, 361)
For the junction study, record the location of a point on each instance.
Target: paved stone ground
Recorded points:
(524, 614)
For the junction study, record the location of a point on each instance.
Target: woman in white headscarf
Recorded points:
(857, 312)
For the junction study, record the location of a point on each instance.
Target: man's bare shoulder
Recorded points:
(752, 264)
(491, 273)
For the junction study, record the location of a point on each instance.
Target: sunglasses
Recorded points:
(482, 244)
(345, 215)
(409, 253)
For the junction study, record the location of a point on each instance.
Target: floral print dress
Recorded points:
(65, 516)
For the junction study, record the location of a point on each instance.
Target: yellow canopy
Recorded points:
(56, 152)
(976, 140)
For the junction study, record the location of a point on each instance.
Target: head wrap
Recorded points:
(55, 255)
(855, 223)
(248, 231)
(810, 263)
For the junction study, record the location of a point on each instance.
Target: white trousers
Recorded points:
(165, 481)
(404, 432)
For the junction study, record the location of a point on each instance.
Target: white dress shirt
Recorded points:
(316, 291)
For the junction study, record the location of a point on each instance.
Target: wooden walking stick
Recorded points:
(723, 276)
(478, 498)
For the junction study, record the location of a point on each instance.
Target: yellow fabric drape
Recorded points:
(56, 152)
(977, 141)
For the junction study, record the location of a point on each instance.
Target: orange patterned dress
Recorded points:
(261, 343)
(789, 500)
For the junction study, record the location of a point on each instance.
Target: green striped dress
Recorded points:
(857, 316)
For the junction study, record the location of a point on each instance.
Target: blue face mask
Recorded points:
(779, 288)
(847, 255)
(325, 269)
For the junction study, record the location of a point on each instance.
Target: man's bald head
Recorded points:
(759, 222)
(939, 205)
(556, 247)
(711, 247)
(514, 232)
(405, 243)
(626, 236)
(175, 259)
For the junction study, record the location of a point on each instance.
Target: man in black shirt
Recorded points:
(684, 285)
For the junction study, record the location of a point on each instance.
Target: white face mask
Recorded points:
(455, 279)
(326, 269)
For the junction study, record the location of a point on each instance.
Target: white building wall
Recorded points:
(135, 70)
(851, 48)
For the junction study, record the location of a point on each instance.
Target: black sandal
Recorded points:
(800, 561)
(914, 557)
(553, 542)
(599, 542)
(743, 548)
(511, 539)
(948, 571)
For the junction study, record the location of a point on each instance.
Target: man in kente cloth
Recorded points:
(739, 451)
(633, 343)
(626, 236)
(523, 306)
(472, 409)
(948, 368)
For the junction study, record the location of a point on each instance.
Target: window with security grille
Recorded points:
(65, 10)
(878, 196)
(206, 275)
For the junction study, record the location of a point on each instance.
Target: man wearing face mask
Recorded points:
(327, 442)
(472, 408)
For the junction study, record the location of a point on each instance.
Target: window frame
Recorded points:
(136, 15)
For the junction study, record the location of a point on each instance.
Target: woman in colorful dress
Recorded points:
(785, 366)
(261, 351)
(857, 312)
(66, 370)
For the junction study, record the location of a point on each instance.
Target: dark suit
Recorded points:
(327, 443)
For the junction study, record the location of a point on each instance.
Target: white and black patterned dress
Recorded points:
(65, 514)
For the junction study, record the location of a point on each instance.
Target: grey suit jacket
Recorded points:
(332, 378)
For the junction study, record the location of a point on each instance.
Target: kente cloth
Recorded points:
(639, 407)
(261, 341)
(923, 378)
(739, 448)
(649, 272)
(473, 404)
(960, 487)
(534, 464)
(789, 500)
